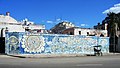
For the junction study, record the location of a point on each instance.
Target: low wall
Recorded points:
(21, 43)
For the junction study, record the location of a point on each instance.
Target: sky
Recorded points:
(82, 13)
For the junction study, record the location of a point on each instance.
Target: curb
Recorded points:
(57, 55)
(44, 56)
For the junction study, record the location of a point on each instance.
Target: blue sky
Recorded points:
(84, 13)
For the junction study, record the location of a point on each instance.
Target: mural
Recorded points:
(33, 43)
(71, 44)
(20, 43)
(12, 43)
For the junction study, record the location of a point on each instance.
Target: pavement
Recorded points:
(54, 55)
(112, 61)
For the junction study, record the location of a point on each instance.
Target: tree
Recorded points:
(113, 21)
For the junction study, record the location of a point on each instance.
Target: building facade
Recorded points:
(32, 28)
(85, 31)
(7, 23)
(71, 29)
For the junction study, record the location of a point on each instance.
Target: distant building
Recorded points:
(32, 28)
(85, 31)
(71, 29)
(59, 28)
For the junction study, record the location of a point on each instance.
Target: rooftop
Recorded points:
(7, 19)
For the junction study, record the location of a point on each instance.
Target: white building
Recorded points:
(32, 28)
(10, 24)
(85, 31)
(7, 23)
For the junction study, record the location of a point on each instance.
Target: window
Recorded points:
(79, 32)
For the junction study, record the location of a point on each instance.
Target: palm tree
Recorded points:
(113, 21)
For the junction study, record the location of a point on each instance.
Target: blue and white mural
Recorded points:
(33, 43)
(21, 43)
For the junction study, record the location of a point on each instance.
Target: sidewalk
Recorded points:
(55, 55)
(45, 55)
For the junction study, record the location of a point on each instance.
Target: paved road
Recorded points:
(66, 62)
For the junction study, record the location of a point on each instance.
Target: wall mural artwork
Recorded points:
(105, 44)
(54, 44)
(33, 44)
(71, 44)
(12, 42)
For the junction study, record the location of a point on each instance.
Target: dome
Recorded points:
(7, 19)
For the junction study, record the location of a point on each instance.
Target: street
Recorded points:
(112, 61)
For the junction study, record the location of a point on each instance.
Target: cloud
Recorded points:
(58, 19)
(83, 25)
(50, 22)
(114, 9)
(53, 21)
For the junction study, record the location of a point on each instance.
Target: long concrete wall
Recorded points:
(21, 43)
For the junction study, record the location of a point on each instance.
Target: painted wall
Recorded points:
(21, 43)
